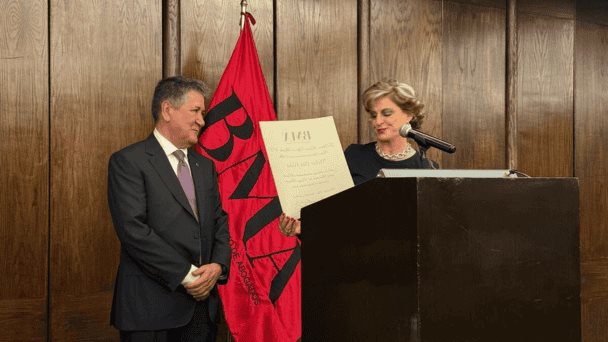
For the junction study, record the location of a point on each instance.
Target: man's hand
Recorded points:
(289, 225)
(207, 277)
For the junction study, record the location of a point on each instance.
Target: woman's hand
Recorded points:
(289, 226)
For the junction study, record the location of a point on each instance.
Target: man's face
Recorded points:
(186, 121)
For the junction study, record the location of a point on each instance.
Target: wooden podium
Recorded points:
(443, 259)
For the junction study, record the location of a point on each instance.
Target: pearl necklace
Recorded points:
(405, 154)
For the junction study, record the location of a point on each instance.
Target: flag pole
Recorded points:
(243, 11)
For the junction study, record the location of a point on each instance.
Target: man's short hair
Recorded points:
(174, 89)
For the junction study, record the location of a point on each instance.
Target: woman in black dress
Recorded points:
(390, 104)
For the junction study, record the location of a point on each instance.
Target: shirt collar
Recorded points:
(167, 145)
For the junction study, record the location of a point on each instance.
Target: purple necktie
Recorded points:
(185, 179)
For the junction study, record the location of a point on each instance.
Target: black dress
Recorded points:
(364, 162)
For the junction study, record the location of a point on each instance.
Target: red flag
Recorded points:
(262, 297)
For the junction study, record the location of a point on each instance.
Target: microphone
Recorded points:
(425, 140)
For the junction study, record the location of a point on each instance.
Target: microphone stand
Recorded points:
(423, 148)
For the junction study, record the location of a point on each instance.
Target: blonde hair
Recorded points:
(402, 94)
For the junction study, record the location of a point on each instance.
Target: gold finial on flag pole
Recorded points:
(243, 11)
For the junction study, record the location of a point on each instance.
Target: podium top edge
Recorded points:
(445, 173)
(456, 173)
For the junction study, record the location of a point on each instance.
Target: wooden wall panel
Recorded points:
(316, 56)
(474, 85)
(405, 44)
(592, 11)
(591, 167)
(552, 8)
(484, 3)
(172, 64)
(105, 62)
(594, 310)
(545, 96)
(591, 129)
(24, 170)
(210, 30)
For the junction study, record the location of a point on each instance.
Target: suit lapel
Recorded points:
(161, 164)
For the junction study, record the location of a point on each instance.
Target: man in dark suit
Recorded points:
(173, 232)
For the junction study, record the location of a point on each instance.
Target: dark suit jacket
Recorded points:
(160, 237)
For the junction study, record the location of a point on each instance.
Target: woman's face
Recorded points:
(386, 119)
